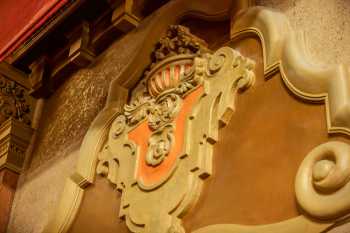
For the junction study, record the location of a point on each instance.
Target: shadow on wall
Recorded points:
(282, 5)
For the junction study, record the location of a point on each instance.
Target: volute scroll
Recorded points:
(158, 147)
(322, 182)
(161, 144)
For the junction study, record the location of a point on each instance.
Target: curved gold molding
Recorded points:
(169, 14)
(286, 50)
(208, 91)
(149, 31)
(295, 225)
(283, 49)
(322, 183)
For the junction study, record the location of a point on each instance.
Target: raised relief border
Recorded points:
(136, 145)
(322, 182)
(161, 144)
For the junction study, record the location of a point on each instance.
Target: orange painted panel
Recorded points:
(140, 135)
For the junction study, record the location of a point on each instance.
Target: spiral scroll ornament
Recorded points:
(119, 125)
(322, 183)
(243, 66)
(159, 148)
(164, 111)
(14, 102)
(159, 145)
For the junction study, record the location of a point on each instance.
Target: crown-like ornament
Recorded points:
(172, 59)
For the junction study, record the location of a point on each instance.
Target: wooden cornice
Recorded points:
(15, 74)
(50, 25)
(14, 140)
(72, 39)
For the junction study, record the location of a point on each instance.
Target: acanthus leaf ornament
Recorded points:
(159, 149)
(158, 207)
(13, 102)
(164, 111)
(137, 111)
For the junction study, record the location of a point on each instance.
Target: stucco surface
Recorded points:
(326, 25)
(68, 113)
(38, 193)
(66, 117)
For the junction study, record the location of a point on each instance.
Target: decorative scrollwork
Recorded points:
(188, 93)
(109, 162)
(216, 61)
(159, 145)
(176, 227)
(138, 109)
(322, 182)
(13, 102)
(119, 125)
(246, 73)
(243, 66)
(164, 110)
(178, 40)
(158, 111)
(107, 165)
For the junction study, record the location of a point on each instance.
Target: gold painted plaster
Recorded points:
(68, 113)
(326, 23)
(327, 27)
(283, 50)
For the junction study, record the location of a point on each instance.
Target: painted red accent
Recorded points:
(176, 76)
(152, 175)
(19, 19)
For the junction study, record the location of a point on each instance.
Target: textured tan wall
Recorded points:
(68, 113)
(65, 120)
(326, 23)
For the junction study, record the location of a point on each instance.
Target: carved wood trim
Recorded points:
(44, 30)
(14, 140)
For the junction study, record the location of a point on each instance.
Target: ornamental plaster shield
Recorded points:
(159, 149)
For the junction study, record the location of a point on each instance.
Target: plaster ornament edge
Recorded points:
(286, 51)
(279, 51)
(84, 175)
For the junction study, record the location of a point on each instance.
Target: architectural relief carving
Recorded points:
(13, 102)
(15, 120)
(158, 188)
(286, 51)
(162, 140)
(95, 138)
(14, 140)
(178, 40)
(159, 145)
(15, 134)
(322, 183)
